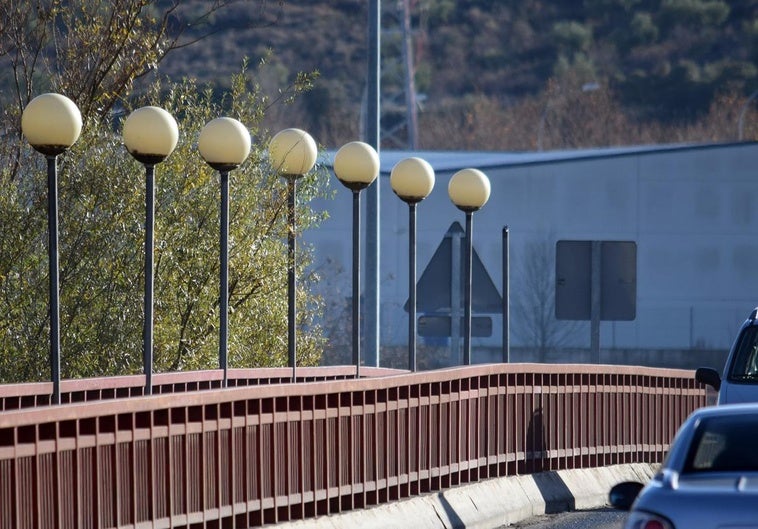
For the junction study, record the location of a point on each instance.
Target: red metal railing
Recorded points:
(30, 395)
(249, 456)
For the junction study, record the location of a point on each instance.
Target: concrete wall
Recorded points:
(491, 503)
(688, 208)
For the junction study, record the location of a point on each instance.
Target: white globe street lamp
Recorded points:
(51, 123)
(412, 179)
(224, 144)
(469, 190)
(292, 154)
(356, 165)
(150, 135)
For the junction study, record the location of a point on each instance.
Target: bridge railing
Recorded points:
(250, 456)
(29, 395)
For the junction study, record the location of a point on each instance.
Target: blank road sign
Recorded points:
(573, 280)
(618, 283)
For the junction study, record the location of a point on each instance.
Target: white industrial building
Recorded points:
(690, 209)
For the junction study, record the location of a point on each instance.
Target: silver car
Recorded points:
(709, 479)
(740, 380)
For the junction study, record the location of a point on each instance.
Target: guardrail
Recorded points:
(250, 456)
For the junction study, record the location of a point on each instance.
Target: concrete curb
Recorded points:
(491, 503)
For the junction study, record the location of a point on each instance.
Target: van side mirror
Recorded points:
(709, 377)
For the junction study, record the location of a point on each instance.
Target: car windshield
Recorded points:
(745, 363)
(724, 444)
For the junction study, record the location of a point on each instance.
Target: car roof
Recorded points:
(726, 410)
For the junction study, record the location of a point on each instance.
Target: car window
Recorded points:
(745, 363)
(724, 444)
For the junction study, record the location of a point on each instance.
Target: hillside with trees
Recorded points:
(508, 74)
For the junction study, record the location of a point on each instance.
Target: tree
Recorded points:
(534, 301)
(102, 215)
(93, 51)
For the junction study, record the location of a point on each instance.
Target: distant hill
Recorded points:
(663, 61)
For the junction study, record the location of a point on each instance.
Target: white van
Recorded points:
(739, 382)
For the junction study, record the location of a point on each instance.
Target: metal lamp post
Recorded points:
(469, 190)
(51, 124)
(150, 135)
(356, 165)
(224, 144)
(412, 179)
(292, 153)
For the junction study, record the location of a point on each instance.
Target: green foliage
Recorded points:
(643, 29)
(695, 13)
(571, 36)
(93, 52)
(439, 10)
(23, 274)
(102, 215)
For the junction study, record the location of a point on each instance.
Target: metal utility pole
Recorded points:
(411, 122)
(372, 132)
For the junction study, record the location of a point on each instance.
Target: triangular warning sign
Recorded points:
(436, 282)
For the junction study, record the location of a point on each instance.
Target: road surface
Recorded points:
(606, 518)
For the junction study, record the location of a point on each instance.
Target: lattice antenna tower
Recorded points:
(399, 101)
